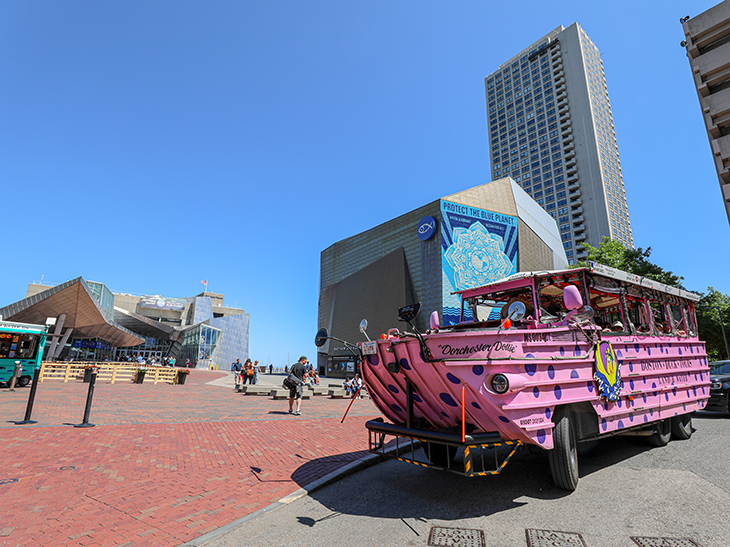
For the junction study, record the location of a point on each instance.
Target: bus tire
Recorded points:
(662, 433)
(23, 381)
(563, 458)
(441, 455)
(682, 427)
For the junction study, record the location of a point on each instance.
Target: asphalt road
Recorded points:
(626, 488)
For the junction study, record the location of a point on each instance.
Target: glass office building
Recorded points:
(551, 130)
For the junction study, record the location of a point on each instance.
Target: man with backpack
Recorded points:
(295, 383)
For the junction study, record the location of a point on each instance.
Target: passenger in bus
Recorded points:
(549, 307)
(617, 326)
(643, 329)
(666, 329)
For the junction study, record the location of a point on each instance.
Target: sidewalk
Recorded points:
(164, 464)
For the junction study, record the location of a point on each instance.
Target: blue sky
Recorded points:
(150, 145)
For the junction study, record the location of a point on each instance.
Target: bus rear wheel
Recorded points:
(563, 458)
(662, 433)
(23, 381)
(682, 427)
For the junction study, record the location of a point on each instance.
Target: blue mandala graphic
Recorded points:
(477, 257)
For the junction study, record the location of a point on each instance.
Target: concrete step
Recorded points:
(278, 393)
(337, 393)
(257, 390)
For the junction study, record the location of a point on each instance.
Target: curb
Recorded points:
(342, 472)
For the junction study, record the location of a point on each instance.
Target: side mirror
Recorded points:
(434, 321)
(364, 328)
(407, 313)
(321, 337)
(572, 298)
(517, 310)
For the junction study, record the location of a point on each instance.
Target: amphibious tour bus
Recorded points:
(550, 359)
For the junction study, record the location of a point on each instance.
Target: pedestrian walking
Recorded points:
(256, 370)
(295, 394)
(248, 372)
(271, 369)
(237, 380)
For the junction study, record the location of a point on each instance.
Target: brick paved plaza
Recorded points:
(164, 463)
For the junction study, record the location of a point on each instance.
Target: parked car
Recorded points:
(720, 387)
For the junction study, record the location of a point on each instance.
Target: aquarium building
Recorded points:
(456, 242)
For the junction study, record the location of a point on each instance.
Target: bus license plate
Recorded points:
(369, 348)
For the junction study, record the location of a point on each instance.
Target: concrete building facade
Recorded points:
(551, 129)
(707, 41)
(459, 241)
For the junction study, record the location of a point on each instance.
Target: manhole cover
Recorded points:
(665, 542)
(8, 481)
(456, 537)
(551, 538)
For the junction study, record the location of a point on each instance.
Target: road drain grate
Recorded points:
(664, 542)
(551, 538)
(455, 537)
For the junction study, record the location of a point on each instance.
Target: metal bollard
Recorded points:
(16, 375)
(89, 397)
(31, 398)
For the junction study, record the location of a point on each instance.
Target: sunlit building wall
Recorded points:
(707, 40)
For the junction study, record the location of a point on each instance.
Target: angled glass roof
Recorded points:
(83, 313)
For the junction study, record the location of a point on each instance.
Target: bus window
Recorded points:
(27, 346)
(550, 295)
(635, 315)
(551, 304)
(689, 313)
(493, 306)
(677, 319)
(607, 303)
(6, 340)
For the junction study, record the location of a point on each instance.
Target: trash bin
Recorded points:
(181, 375)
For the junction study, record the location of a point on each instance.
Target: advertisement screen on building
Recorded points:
(159, 303)
(477, 248)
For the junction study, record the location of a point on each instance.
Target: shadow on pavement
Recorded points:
(402, 490)
(711, 415)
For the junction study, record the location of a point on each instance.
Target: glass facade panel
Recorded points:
(104, 297)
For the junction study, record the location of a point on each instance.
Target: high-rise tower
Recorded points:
(551, 130)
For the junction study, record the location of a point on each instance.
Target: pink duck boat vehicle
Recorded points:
(550, 359)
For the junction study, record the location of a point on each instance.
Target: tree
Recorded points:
(708, 322)
(636, 261)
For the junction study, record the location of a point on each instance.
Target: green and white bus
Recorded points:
(24, 343)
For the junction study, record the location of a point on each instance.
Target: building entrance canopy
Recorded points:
(82, 313)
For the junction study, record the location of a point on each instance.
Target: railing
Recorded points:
(110, 372)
